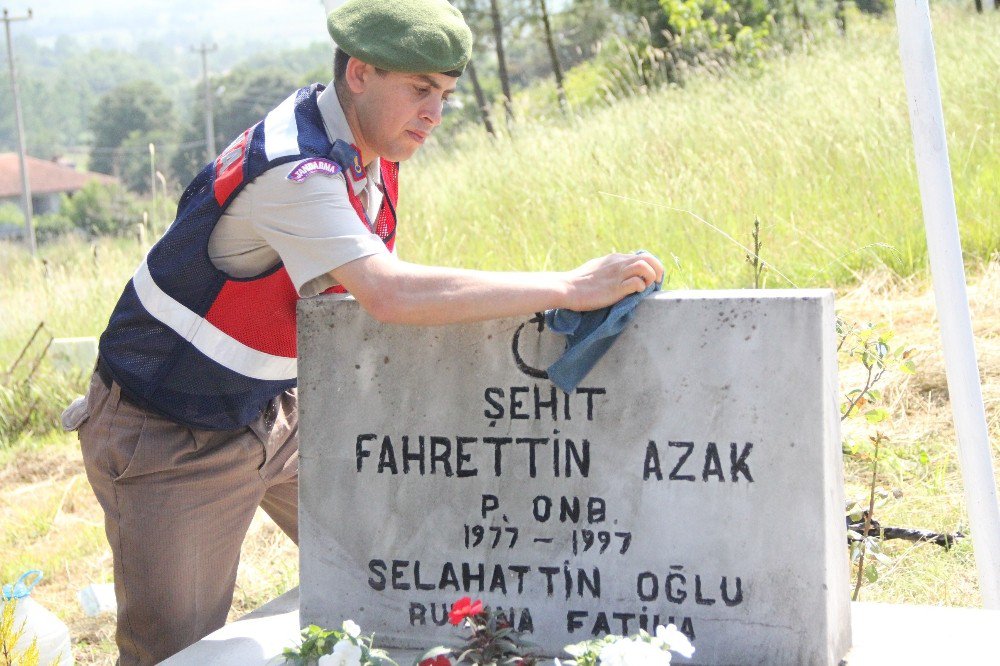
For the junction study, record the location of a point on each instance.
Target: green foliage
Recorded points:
(708, 35)
(583, 84)
(494, 640)
(874, 348)
(317, 642)
(51, 226)
(649, 12)
(11, 215)
(134, 165)
(33, 408)
(9, 637)
(715, 30)
(47, 226)
(98, 209)
(874, 7)
(244, 96)
(132, 112)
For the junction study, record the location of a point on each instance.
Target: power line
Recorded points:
(132, 149)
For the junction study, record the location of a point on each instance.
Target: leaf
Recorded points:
(876, 415)
(871, 573)
(881, 557)
(435, 652)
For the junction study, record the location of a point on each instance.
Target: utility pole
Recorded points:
(21, 150)
(204, 50)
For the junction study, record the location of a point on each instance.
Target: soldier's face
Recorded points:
(397, 111)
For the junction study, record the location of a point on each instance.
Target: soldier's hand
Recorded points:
(606, 280)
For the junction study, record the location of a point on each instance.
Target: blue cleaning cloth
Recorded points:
(588, 336)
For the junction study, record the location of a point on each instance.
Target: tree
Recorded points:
(130, 111)
(480, 99)
(550, 43)
(244, 96)
(650, 10)
(501, 59)
(99, 209)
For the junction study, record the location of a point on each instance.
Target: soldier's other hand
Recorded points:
(606, 280)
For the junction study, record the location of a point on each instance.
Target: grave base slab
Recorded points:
(883, 634)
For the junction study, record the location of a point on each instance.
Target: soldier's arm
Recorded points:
(395, 291)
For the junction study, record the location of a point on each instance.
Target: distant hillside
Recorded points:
(126, 24)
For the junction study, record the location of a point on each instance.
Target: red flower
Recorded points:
(463, 608)
(439, 660)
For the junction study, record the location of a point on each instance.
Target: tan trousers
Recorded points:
(177, 505)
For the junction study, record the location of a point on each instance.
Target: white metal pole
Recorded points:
(948, 272)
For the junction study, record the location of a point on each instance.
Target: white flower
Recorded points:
(647, 653)
(345, 653)
(633, 652)
(613, 654)
(670, 638)
(577, 649)
(351, 628)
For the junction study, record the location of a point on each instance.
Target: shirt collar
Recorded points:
(335, 124)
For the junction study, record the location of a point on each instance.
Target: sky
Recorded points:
(126, 23)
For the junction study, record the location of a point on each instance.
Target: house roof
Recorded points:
(44, 177)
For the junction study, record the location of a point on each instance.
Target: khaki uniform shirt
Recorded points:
(310, 226)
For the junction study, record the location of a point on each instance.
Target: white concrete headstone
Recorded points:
(694, 477)
(74, 354)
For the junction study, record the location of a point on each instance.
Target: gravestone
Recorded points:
(693, 477)
(74, 354)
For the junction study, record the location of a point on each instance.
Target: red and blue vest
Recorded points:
(190, 342)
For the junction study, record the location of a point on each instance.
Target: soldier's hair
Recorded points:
(340, 59)
(339, 64)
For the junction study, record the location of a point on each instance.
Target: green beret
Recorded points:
(418, 36)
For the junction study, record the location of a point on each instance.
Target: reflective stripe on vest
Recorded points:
(205, 337)
(195, 345)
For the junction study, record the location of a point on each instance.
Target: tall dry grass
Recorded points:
(817, 145)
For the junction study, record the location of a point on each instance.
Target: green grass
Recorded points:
(818, 146)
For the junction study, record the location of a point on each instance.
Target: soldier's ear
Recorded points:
(357, 75)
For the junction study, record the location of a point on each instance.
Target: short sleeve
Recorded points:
(309, 223)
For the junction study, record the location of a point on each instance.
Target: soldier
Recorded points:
(190, 421)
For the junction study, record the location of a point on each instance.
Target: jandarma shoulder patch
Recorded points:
(313, 166)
